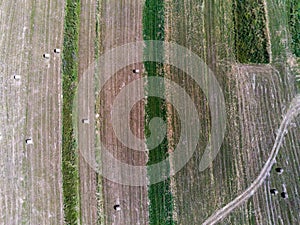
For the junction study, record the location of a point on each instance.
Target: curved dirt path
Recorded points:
(293, 111)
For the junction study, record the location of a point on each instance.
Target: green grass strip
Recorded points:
(250, 32)
(98, 52)
(161, 205)
(69, 147)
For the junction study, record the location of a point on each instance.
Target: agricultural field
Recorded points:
(54, 117)
(31, 105)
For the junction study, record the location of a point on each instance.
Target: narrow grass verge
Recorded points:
(160, 211)
(98, 52)
(69, 147)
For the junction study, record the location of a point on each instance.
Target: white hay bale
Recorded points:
(46, 56)
(136, 71)
(29, 141)
(56, 50)
(274, 191)
(86, 121)
(279, 170)
(17, 77)
(284, 195)
(117, 207)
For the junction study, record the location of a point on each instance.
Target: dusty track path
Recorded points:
(31, 180)
(293, 112)
(88, 184)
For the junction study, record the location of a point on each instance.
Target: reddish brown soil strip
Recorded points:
(123, 24)
(120, 24)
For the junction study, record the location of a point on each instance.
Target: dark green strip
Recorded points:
(250, 32)
(293, 9)
(69, 147)
(161, 205)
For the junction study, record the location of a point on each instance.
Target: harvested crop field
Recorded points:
(31, 178)
(257, 97)
(250, 48)
(124, 27)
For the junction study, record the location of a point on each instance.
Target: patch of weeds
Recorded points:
(294, 25)
(69, 146)
(250, 32)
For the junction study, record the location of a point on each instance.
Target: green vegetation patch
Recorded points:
(250, 32)
(160, 197)
(69, 147)
(294, 25)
